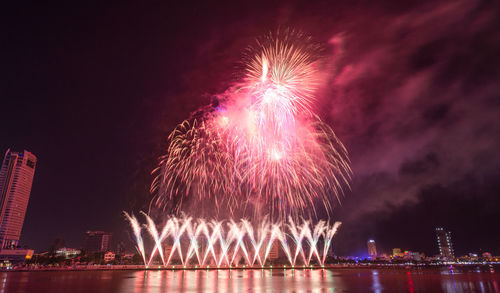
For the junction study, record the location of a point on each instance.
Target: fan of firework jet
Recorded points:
(262, 150)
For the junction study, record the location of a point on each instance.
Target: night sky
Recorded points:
(413, 91)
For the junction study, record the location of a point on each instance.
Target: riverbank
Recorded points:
(483, 266)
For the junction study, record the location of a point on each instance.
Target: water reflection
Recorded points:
(4, 281)
(411, 287)
(276, 280)
(477, 280)
(232, 281)
(376, 287)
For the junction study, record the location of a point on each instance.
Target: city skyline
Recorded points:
(16, 164)
(16, 177)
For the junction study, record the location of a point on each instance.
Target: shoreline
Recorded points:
(491, 266)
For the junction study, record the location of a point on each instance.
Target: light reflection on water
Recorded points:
(233, 281)
(376, 287)
(278, 280)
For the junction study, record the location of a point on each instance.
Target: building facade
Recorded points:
(97, 241)
(396, 252)
(16, 178)
(274, 252)
(444, 243)
(372, 248)
(109, 256)
(67, 253)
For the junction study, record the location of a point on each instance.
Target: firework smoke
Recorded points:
(262, 150)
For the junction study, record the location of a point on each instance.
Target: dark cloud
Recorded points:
(415, 106)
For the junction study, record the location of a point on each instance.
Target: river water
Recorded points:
(336, 280)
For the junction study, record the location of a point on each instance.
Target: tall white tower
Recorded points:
(372, 249)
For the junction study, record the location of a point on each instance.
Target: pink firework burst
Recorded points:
(264, 150)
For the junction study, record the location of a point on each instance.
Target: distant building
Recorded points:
(372, 248)
(67, 252)
(473, 257)
(16, 178)
(97, 241)
(444, 244)
(109, 256)
(15, 255)
(396, 252)
(128, 256)
(487, 256)
(413, 255)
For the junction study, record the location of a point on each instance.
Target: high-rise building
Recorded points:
(97, 241)
(444, 244)
(372, 248)
(16, 178)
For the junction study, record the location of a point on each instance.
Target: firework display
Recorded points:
(229, 243)
(262, 150)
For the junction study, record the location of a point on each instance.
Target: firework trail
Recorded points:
(136, 228)
(227, 243)
(262, 150)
